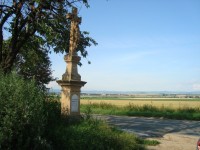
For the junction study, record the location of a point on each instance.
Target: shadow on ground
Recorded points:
(153, 127)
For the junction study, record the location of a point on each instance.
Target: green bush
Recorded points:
(22, 113)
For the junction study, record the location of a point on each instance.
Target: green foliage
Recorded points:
(22, 114)
(92, 134)
(46, 20)
(150, 142)
(146, 111)
(31, 120)
(88, 112)
(88, 133)
(34, 63)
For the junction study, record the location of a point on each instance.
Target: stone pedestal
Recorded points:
(71, 84)
(70, 97)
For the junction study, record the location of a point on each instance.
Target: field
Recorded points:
(175, 103)
(172, 108)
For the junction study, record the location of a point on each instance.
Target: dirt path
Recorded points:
(173, 134)
(175, 142)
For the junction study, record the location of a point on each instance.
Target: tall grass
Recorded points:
(89, 133)
(93, 135)
(145, 110)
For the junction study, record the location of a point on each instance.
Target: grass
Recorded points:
(88, 133)
(94, 134)
(145, 110)
(172, 102)
(139, 98)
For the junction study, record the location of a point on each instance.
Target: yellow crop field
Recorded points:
(170, 103)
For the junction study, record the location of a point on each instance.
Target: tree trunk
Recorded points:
(1, 45)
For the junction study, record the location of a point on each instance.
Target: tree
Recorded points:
(33, 62)
(44, 19)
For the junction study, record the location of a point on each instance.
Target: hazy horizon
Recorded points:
(133, 92)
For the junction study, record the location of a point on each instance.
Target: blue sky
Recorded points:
(143, 45)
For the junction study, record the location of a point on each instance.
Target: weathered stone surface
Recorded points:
(71, 72)
(74, 32)
(71, 81)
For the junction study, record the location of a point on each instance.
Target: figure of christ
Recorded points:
(74, 31)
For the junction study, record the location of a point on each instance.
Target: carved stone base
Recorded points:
(71, 72)
(70, 97)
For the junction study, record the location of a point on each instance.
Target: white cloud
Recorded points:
(196, 87)
(53, 85)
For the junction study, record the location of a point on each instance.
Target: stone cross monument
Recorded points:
(71, 81)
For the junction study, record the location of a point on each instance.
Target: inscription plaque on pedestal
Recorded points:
(74, 103)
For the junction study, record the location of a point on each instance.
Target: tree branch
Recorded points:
(12, 55)
(1, 45)
(5, 18)
(1, 6)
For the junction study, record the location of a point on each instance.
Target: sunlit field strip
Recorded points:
(157, 103)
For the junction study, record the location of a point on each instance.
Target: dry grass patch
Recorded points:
(172, 103)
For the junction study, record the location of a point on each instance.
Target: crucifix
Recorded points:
(71, 81)
(74, 31)
(71, 58)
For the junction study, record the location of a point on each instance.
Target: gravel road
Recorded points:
(173, 134)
